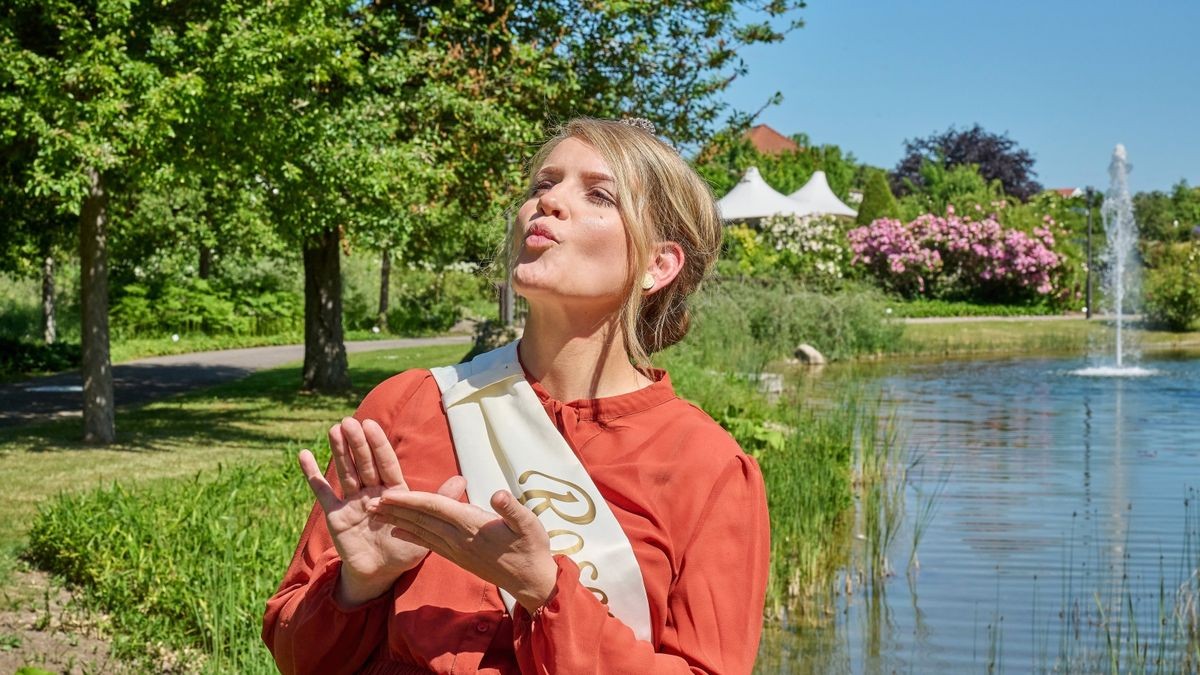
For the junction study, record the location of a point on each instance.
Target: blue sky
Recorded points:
(1066, 79)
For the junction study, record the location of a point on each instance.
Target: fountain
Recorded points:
(1122, 278)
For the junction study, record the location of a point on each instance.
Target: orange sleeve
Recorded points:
(306, 630)
(715, 608)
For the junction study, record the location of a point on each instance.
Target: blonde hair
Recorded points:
(660, 198)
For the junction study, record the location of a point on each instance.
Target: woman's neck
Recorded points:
(575, 356)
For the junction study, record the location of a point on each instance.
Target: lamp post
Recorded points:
(1088, 198)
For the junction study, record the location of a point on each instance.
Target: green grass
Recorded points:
(181, 530)
(1017, 336)
(129, 349)
(245, 421)
(923, 307)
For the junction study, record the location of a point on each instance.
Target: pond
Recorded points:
(1058, 524)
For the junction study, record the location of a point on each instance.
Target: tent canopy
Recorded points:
(753, 198)
(816, 198)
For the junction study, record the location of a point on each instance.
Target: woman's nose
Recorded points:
(550, 204)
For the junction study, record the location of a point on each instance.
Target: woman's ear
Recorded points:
(666, 262)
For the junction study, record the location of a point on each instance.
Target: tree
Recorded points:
(723, 166)
(90, 89)
(34, 234)
(393, 125)
(878, 201)
(996, 156)
(343, 126)
(1168, 217)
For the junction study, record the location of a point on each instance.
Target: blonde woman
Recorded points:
(552, 506)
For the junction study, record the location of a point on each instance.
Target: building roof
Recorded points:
(770, 142)
(1067, 193)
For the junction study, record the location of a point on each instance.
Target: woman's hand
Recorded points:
(512, 551)
(372, 559)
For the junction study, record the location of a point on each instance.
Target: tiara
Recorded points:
(639, 123)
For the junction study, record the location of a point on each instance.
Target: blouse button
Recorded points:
(482, 627)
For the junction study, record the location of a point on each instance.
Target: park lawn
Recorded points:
(129, 349)
(250, 420)
(960, 338)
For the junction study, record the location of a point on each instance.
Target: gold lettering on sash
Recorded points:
(573, 548)
(553, 499)
(589, 565)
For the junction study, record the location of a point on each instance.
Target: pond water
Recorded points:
(1062, 533)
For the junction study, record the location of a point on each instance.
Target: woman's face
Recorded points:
(574, 246)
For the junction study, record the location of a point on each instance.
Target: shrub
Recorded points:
(812, 248)
(743, 253)
(878, 200)
(193, 305)
(1172, 289)
(739, 323)
(18, 357)
(959, 187)
(954, 257)
(427, 300)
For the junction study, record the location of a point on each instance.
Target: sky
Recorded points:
(1065, 79)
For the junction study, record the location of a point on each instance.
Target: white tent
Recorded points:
(753, 198)
(816, 198)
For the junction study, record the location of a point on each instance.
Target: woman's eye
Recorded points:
(601, 198)
(540, 187)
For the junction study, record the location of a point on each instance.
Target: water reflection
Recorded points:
(1060, 530)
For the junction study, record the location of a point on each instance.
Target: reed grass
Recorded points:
(1131, 622)
(181, 567)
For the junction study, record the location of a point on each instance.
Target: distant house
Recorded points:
(1067, 193)
(770, 142)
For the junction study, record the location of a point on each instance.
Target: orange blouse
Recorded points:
(691, 502)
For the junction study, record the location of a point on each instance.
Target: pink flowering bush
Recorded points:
(951, 256)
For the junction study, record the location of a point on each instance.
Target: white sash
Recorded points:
(505, 441)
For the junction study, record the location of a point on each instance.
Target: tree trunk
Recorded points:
(49, 329)
(206, 258)
(98, 422)
(385, 281)
(325, 366)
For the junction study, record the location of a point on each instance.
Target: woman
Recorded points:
(641, 546)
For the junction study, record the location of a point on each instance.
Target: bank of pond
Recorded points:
(927, 516)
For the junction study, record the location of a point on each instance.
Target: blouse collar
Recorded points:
(656, 393)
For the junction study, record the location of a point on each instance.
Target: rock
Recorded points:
(808, 355)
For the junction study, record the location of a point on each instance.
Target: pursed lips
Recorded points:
(540, 234)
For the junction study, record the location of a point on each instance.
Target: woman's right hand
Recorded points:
(372, 559)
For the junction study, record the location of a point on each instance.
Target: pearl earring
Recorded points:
(647, 281)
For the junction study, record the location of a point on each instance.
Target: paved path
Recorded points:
(150, 379)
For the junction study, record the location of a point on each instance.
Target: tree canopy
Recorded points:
(723, 163)
(329, 126)
(997, 157)
(1163, 216)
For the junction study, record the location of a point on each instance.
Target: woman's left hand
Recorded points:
(512, 551)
